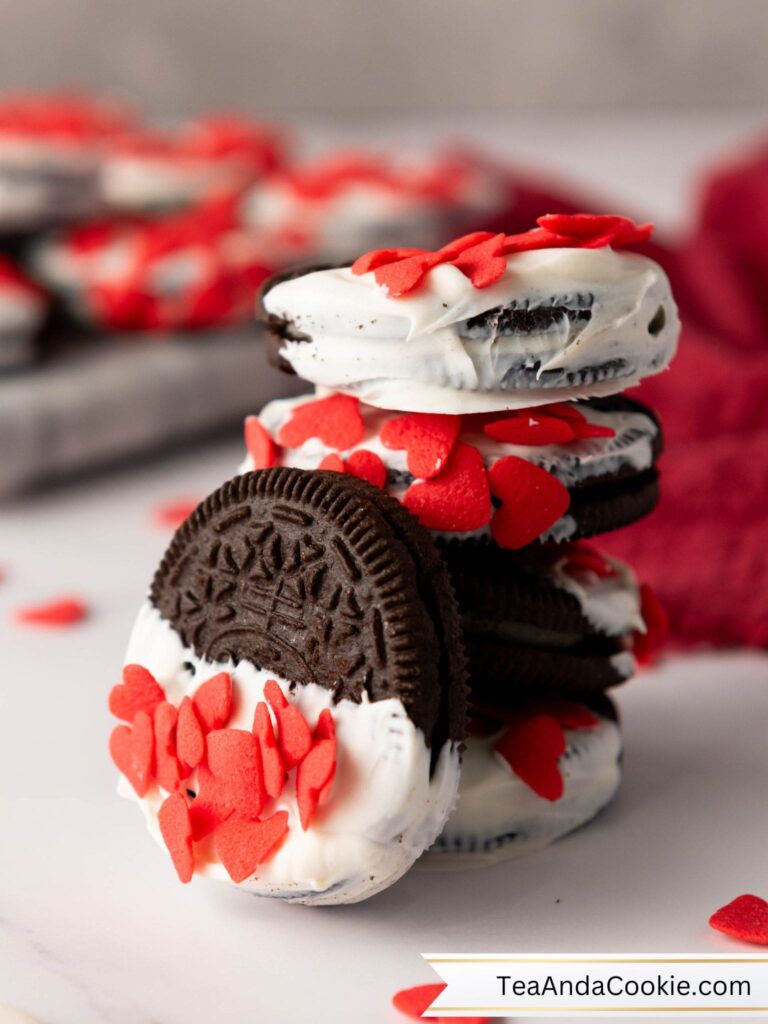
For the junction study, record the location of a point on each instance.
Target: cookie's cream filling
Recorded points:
(498, 815)
(418, 353)
(385, 807)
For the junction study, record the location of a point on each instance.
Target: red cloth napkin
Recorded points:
(705, 550)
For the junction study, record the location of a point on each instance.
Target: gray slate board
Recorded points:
(93, 402)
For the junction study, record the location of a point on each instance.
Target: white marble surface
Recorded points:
(94, 929)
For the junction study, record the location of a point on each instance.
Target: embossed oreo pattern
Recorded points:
(306, 575)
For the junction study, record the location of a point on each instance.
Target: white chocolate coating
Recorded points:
(498, 816)
(574, 463)
(385, 808)
(362, 215)
(139, 182)
(416, 352)
(611, 604)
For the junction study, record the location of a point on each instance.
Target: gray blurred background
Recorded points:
(352, 58)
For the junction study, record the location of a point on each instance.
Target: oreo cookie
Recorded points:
(596, 459)
(560, 323)
(569, 770)
(303, 642)
(319, 578)
(553, 620)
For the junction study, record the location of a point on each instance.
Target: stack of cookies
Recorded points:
(296, 714)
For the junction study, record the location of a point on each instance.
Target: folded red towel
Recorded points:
(705, 549)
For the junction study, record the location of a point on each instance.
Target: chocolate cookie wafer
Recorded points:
(303, 641)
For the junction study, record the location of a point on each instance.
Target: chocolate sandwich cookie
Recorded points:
(556, 472)
(50, 151)
(168, 170)
(553, 620)
(298, 679)
(487, 323)
(191, 270)
(343, 203)
(528, 778)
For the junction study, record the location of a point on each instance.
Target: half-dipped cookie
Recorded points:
(555, 472)
(488, 322)
(530, 776)
(554, 620)
(293, 699)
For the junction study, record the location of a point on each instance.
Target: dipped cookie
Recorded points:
(158, 171)
(293, 700)
(556, 472)
(196, 269)
(530, 776)
(341, 204)
(561, 619)
(486, 323)
(50, 147)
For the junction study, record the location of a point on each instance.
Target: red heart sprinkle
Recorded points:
(744, 918)
(368, 466)
(413, 1002)
(325, 730)
(363, 464)
(458, 500)
(532, 750)
(272, 762)
(176, 830)
(234, 782)
(335, 420)
(66, 611)
(568, 713)
(405, 275)
(213, 701)
(480, 255)
(483, 264)
(530, 429)
(427, 438)
(532, 501)
(173, 513)
(190, 741)
(139, 691)
(167, 768)
(207, 811)
(294, 735)
(314, 775)
(380, 257)
(332, 464)
(259, 444)
(583, 558)
(242, 845)
(644, 645)
(585, 430)
(132, 749)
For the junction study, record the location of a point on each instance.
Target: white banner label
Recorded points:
(579, 985)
